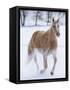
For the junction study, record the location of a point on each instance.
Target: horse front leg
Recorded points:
(55, 61)
(44, 63)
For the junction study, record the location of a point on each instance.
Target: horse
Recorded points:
(46, 43)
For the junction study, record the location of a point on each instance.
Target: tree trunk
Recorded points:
(36, 18)
(23, 23)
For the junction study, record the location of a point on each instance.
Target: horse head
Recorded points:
(55, 26)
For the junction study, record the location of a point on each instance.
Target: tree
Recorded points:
(38, 15)
(36, 18)
(23, 15)
(49, 15)
(23, 18)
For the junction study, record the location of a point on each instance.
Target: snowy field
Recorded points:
(29, 71)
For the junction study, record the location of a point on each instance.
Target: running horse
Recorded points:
(46, 43)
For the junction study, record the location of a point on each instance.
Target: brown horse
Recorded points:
(46, 43)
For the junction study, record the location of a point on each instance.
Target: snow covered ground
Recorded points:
(29, 71)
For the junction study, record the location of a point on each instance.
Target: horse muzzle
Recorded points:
(58, 34)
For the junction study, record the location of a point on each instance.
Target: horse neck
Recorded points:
(52, 31)
(52, 35)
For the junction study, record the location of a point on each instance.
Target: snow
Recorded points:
(29, 71)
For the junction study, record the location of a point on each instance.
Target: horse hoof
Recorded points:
(51, 73)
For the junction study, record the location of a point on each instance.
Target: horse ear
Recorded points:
(57, 20)
(53, 19)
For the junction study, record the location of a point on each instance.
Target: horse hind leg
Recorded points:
(35, 60)
(44, 63)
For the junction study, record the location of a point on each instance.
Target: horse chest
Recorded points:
(53, 43)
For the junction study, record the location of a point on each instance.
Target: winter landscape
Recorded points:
(31, 21)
